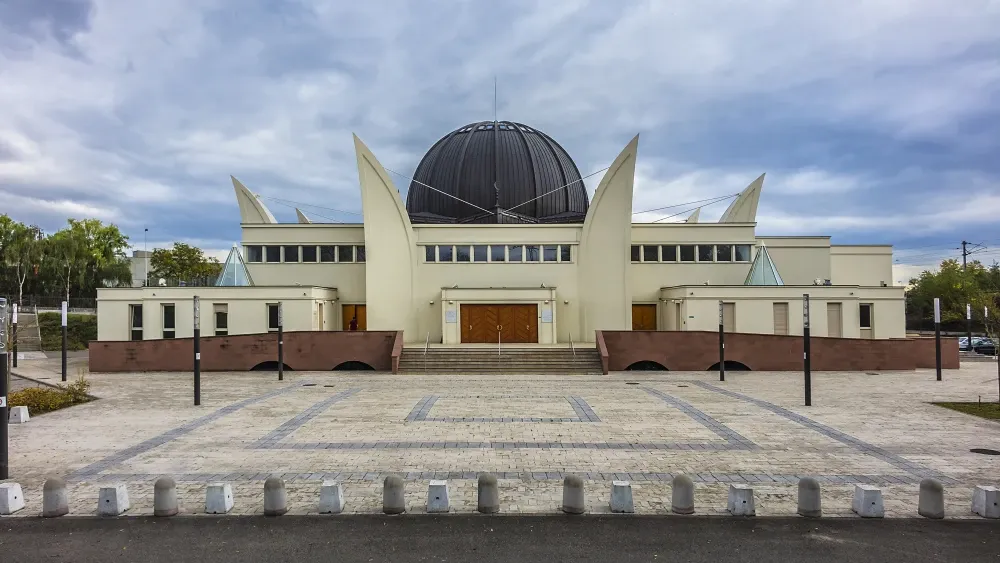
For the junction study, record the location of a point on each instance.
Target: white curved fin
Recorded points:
(693, 218)
(744, 208)
(302, 216)
(252, 209)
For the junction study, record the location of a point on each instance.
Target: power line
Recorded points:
(311, 212)
(720, 198)
(716, 200)
(301, 204)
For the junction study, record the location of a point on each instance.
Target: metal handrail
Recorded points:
(427, 342)
(498, 343)
(571, 344)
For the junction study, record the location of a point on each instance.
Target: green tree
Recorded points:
(183, 262)
(22, 253)
(977, 285)
(67, 255)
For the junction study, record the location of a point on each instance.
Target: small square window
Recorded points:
(650, 253)
(255, 253)
(515, 253)
(479, 253)
(360, 253)
(273, 253)
(291, 253)
(445, 254)
(550, 253)
(498, 253)
(706, 253)
(328, 254)
(565, 253)
(169, 321)
(272, 317)
(669, 253)
(531, 253)
(687, 253)
(345, 254)
(724, 253)
(636, 252)
(221, 311)
(742, 252)
(308, 253)
(462, 253)
(430, 254)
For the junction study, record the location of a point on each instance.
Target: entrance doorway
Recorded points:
(352, 311)
(508, 323)
(643, 317)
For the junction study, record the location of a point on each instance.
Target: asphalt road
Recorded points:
(508, 539)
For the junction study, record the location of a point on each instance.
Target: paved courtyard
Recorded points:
(528, 430)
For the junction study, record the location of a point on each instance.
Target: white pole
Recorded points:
(64, 309)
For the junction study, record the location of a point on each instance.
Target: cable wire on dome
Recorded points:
(437, 190)
(293, 207)
(302, 204)
(559, 188)
(713, 200)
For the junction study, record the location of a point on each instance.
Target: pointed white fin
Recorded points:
(252, 209)
(302, 216)
(693, 218)
(744, 207)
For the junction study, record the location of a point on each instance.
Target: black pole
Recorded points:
(13, 335)
(281, 347)
(197, 351)
(937, 336)
(4, 463)
(968, 307)
(722, 346)
(806, 360)
(64, 320)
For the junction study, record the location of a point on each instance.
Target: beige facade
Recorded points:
(578, 277)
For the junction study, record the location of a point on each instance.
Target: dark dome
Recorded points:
(497, 166)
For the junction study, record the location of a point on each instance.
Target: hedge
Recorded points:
(41, 400)
(80, 330)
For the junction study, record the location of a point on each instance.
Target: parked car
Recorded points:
(963, 342)
(985, 346)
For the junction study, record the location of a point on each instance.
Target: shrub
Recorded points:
(80, 330)
(47, 399)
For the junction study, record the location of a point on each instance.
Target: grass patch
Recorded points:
(989, 411)
(40, 400)
(80, 330)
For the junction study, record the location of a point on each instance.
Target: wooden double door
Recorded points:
(508, 323)
(643, 317)
(355, 312)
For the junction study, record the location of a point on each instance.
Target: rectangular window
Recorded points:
(255, 253)
(498, 253)
(272, 253)
(636, 252)
(565, 253)
(687, 253)
(780, 318)
(706, 253)
(650, 253)
(360, 253)
(345, 254)
(866, 315)
(308, 253)
(462, 253)
(169, 321)
(328, 254)
(479, 253)
(430, 254)
(742, 252)
(669, 253)
(221, 311)
(516, 253)
(291, 253)
(272, 317)
(724, 253)
(445, 254)
(531, 253)
(550, 253)
(135, 321)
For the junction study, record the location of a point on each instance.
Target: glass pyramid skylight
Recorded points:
(234, 271)
(763, 271)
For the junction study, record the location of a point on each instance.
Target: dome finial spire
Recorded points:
(494, 99)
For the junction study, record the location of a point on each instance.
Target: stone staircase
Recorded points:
(480, 361)
(29, 339)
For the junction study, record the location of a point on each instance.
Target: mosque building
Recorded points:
(498, 242)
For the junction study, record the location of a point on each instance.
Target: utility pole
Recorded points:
(968, 307)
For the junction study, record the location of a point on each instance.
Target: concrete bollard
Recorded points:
(275, 497)
(867, 501)
(931, 503)
(165, 497)
(682, 495)
(437, 496)
(331, 498)
(489, 494)
(218, 498)
(18, 415)
(986, 501)
(113, 501)
(11, 498)
(573, 499)
(621, 497)
(810, 504)
(741, 500)
(55, 498)
(393, 495)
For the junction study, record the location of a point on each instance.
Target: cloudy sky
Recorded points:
(876, 121)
